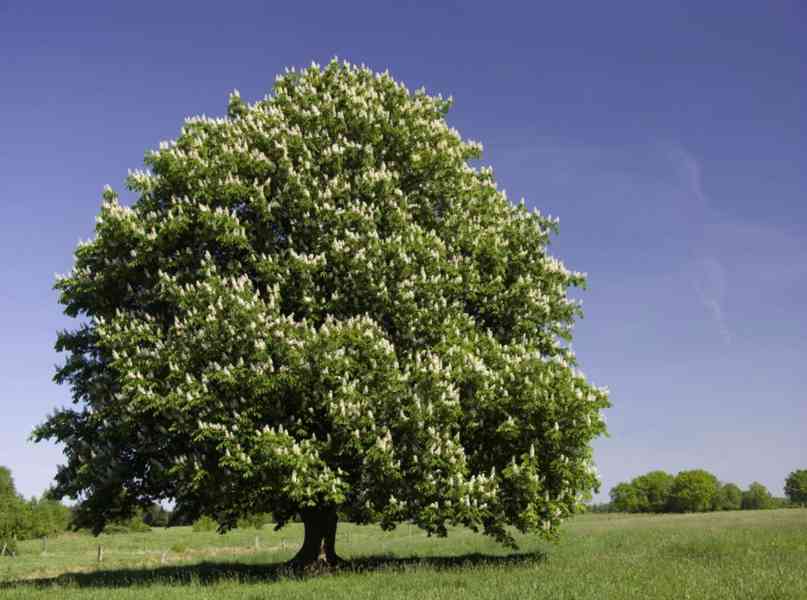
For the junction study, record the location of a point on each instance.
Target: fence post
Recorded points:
(100, 553)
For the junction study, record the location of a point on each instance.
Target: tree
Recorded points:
(626, 498)
(317, 304)
(693, 491)
(7, 487)
(46, 517)
(654, 488)
(796, 487)
(21, 519)
(757, 497)
(729, 497)
(646, 493)
(11, 513)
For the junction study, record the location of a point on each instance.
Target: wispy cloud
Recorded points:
(708, 273)
(733, 258)
(689, 171)
(709, 280)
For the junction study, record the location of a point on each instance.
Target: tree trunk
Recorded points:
(319, 543)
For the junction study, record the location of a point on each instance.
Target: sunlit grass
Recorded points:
(752, 554)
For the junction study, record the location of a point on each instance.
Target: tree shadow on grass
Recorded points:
(208, 573)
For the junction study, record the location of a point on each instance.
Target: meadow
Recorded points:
(729, 555)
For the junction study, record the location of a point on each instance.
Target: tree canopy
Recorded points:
(626, 498)
(729, 497)
(654, 488)
(796, 486)
(646, 493)
(757, 497)
(7, 487)
(318, 303)
(693, 491)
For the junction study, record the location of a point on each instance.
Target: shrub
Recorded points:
(256, 521)
(157, 516)
(134, 524)
(205, 523)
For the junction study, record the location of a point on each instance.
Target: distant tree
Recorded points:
(7, 488)
(319, 305)
(157, 516)
(654, 490)
(693, 491)
(47, 517)
(757, 497)
(729, 497)
(21, 519)
(796, 487)
(602, 507)
(11, 523)
(13, 517)
(626, 498)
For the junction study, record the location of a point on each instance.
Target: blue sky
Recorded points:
(670, 139)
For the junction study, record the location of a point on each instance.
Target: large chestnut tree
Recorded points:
(318, 306)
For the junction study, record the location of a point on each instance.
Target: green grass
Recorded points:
(754, 554)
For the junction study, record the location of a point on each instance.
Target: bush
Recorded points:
(134, 524)
(137, 525)
(157, 516)
(601, 507)
(115, 528)
(256, 521)
(205, 523)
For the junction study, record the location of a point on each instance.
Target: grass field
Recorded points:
(752, 554)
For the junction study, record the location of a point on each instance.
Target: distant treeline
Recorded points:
(22, 519)
(698, 490)
(653, 492)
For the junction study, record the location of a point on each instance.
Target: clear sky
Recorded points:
(669, 137)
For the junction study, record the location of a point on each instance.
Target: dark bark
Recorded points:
(319, 543)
